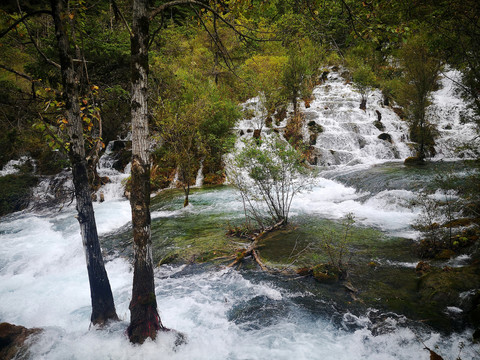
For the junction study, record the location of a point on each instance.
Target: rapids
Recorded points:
(225, 313)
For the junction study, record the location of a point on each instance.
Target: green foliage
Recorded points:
(420, 77)
(364, 81)
(268, 174)
(195, 122)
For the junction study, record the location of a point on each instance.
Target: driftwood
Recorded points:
(251, 250)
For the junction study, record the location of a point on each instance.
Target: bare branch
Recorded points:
(25, 76)
(7, 30)
(42, 54)
(165, 6)
(117, 10)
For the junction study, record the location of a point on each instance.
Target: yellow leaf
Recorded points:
(71, 16)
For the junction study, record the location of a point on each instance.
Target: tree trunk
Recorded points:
(187, 192)
(103, 308)
(144, 318)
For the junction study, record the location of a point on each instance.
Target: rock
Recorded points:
(313, 139)
(363, 104)
(268, 122)
(414, 161)
(304, 271)
(12, 341)
(385, 137)
(257, 133)
(379, 125)
(241, 133)
(362, 142)
(422, 267)
(445, 254)
(315, 128)
(399, 111)
(379, 115)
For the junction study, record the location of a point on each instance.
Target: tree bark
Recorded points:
(144, 318)
(103, 308)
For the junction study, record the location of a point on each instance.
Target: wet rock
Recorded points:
(362, 142)
(268, 122)
(385, 137)
(315, 128)
(399, 111)
(379, 125)
(414, 161)
(422, 267)
(12, 341)
(257, 133)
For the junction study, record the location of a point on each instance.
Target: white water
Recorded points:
(43, 278)
(12, 167)
(44, 283)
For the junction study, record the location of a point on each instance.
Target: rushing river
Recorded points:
(227, 313)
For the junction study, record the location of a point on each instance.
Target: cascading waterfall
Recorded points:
(114, 189)
(224, 313)
(351, 136)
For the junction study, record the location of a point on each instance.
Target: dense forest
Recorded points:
(164, 85)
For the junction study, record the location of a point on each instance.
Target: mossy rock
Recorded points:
(445, 254)
(414, 161)
(444, 287)
(325, 273)
(16, 192)
(315, 128)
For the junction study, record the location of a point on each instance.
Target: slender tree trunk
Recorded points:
(144, 318)
(103, 308)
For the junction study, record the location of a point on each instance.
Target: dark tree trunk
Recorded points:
(103, 308)
(144, 318)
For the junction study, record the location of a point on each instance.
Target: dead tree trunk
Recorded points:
(103, 308)
(144, 318)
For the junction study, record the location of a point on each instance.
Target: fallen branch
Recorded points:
(251, 250)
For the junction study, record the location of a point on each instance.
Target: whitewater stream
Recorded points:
(225, 313)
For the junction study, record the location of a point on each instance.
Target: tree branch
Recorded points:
(25, 76)
(117, 10)
(165, 6)
(51, 62)
(6, 31)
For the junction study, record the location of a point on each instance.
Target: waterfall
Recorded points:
(12, 167)
(340, 133)
(114, 189)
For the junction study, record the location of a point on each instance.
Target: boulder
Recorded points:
(12, 341)
(385, 137)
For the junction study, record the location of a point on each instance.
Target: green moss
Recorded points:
(16, 190)
(325, 273)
